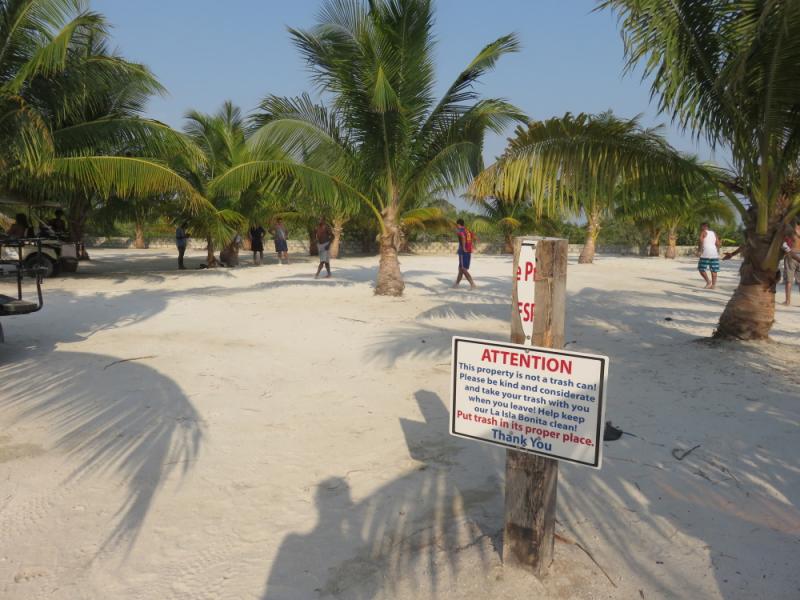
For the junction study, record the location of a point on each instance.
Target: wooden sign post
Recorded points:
(531, 481)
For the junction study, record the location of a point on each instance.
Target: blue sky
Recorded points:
(208, 51)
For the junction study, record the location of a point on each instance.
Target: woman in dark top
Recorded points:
(20, 228)
(257, 243)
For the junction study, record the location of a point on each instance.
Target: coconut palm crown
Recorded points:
(730, 72)
(71, 109)
(585, 165)
(383, 139)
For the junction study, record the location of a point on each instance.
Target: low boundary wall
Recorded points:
(351, 248)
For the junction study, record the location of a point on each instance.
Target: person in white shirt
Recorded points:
(708, 247)
(791, 261)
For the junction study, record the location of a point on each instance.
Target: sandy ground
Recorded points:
(254, 433)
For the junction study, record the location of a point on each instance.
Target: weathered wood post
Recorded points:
(531, 481)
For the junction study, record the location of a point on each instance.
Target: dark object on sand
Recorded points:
(611, 433)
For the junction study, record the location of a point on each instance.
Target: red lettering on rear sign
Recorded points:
(526, 311)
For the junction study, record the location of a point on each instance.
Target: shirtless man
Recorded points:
(791, 261)
(708, 247)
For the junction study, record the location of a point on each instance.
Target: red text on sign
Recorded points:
(526, 311)
(526, 272)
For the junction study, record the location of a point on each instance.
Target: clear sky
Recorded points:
(208, 51)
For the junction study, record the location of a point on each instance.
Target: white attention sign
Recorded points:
(526, 276)
(540, 400)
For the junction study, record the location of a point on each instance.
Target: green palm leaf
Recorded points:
(125, 176)
(573, 162)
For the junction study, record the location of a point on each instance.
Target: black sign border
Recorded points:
(600, 398)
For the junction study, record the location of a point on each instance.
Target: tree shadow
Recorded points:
(127, 419)
(107, 414)
(417, 523)
(736, 495)
(731, 505)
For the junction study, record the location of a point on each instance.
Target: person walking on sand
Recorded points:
(708, 247)
(323, 236)
(465, 246)
(256, 235)
(180, 241)
(281, 241)
(791, 261)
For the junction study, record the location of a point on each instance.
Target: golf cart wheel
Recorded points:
(46, 265)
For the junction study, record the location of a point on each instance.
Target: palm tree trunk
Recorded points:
(672, 243)
(77, 213)
(138, 241)
(508, 242)
(592, 231)
(211, 260)
(750, 312)
(313, 250)
(390, 279)
(655, 242)
(337, 228)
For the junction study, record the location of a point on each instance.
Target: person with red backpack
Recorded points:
(466, 242)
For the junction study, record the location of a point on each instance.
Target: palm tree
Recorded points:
(509, 217)
(666, 214)
(583, 165)
(430, 216)
(139, 211)
(730, 72)
(107, 121)
(709, 208)
(385, 140)
(221, 139)
(71, 126)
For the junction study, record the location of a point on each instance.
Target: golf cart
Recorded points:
(54, 254)
(11, 306)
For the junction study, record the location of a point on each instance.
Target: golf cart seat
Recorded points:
(14, 306)
(14, 266)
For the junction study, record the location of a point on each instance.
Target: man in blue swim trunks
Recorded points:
(708, 248)
(465, 242)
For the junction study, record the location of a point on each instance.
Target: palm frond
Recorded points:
(125, 177)
(729, 71)
(52, 57)
(564, 163)
(144, 137)
(461, 93)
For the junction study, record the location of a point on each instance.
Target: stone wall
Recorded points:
(352, 247)
(348, 247)
(439, 248)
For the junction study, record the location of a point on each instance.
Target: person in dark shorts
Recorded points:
(465, 243)
(180, 241)
(257, 243)
(281, 241)
(324, 238)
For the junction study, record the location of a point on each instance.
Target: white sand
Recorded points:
(284, 438)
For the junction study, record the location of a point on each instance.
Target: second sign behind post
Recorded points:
(531, 481)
